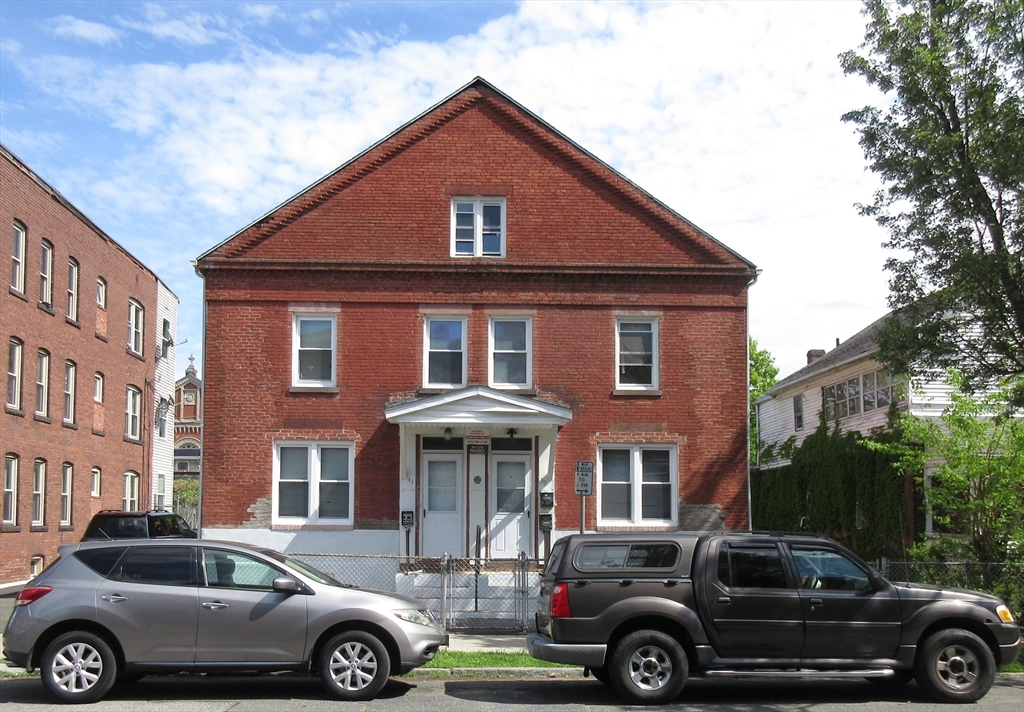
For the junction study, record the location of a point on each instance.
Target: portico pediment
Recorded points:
(478, 405)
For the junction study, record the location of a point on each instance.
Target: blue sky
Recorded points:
(173, 125)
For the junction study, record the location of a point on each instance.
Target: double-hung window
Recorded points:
(314, 340)
(10, 489)
(478, 227)
(313, 483)
(798, 412)
(132, 410)
(841, 399)
(46, 274)
(14, 350)
(73, 289)
(636, 353)
(637, 484)
(511, 347)
(136, 326)
(18, 259)
(66, 488)
(39, 493)
(130, 499)
(43, 384)
(444, 352)
(70, 376)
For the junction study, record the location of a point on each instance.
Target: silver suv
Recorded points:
(105, 611)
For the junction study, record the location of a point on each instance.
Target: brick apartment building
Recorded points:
(411, 355)
(89, 334)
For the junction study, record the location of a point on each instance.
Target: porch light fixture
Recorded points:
(447, 433)
(511, 433)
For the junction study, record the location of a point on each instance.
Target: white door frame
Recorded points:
(508, 535)
(453, 537)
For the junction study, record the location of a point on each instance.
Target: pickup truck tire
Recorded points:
(601, 675)
(955, 665)
(648, 668)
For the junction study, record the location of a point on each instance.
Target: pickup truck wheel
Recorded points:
(648, 668)
(601, 675)
(354, 666)
(78, 667)
(955, 665)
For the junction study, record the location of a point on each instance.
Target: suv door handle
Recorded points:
(113, 598)
(215, 605)
(817, 602)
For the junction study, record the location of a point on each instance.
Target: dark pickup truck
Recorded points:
(643, 611)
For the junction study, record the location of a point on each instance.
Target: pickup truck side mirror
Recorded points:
(877, 581)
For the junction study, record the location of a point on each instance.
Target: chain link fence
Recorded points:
(189, 511)
(464, 594)
(1003, 580)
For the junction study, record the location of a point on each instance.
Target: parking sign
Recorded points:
(584, 477)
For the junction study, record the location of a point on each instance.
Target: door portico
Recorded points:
(499, 447)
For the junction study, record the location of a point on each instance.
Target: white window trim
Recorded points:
(11, 466)
(97, 482)
(43, 384)
(136, 327)
(655, 323)
(297, 318)
(132, 412)
(101, 293)
(313, 449)
(73, 272)
(130, 495)
(39, 493)
(529, 353)
(15, 356)
(99, 387)
(636, 485)
(70, 382)
(478, 220)
(426, 349)
(18, 257)
(46, 274)
(160, 493)
(67, 483)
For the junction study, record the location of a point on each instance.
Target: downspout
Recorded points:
(202, 413)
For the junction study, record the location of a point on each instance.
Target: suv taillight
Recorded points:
(560, 601)
(32, 593)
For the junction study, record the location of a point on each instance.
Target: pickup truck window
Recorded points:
(742, 566)
(646, 555)
(555, 558)
(825, 569)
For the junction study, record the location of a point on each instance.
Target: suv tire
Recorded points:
(955, 665)
(78, 667)
(648, 668)
(354, 666)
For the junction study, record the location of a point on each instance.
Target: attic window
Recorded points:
(478, 227)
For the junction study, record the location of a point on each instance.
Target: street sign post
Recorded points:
(584, 487)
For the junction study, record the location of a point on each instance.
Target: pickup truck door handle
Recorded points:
(817, 602)
(581, 583)
(215, 605)
(725, 600)
(113, 598)
(626, 582)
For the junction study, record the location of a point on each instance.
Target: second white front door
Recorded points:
(442, 504)
(511, 492)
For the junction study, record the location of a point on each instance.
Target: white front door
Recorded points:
(441, 492)
(511, 489)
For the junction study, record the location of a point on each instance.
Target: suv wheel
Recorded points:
(955, 666)
(78, 667)
(354, 666)
(648, 668)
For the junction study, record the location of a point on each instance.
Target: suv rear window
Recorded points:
(102, 561)
(646, 555)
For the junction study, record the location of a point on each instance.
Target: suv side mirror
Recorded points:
(286, 584)
(877, 581)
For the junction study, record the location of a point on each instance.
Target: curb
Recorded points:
(496, 672)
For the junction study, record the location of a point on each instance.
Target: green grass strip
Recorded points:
(447, 659)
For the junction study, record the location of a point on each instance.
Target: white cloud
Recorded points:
(11, 47)
(261, 13)
(68, 26)
(193, 29)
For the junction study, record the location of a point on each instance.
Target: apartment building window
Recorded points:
(98, 387)
(637, 484)
(101, 293)
(798, 412)
(841, 399)
(130, 500)
(73, 289)
(97, 482)
(636, 353)
(511, 347)
(66, 488)
(444, 352)
(39, 493)
(136, 326)
(478, 227)
(313, 482)
(35, 566)
(18, 259)
(132, 410)
(14, 350)
(160, 496)
(10, 488)
(314, 340)
(70, 376)
(880, 390)
(43, 384)
(46, 274)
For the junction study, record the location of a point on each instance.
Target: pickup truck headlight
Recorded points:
(1004, 614)
(420, 617)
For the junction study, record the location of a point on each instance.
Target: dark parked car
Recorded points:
(122, 609)
(643, 611)
(115, 524)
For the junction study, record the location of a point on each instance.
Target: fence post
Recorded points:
(444, 591)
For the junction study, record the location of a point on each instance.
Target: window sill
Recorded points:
(515, 390)
(437, 390)
(314, 389)
(637, 393)
(9, 528)
(133, 354)
(15, 411)
(101, 337)
(73, 322)
(42, 418)
(66, 528)
(277, 526)
(39, 528)
(20, 295)
(43, 306)
(70, 426)
(133, 441)
(101, 433)
(630, 527)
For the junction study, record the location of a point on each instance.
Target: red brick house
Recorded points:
(412, 354)
(88, 331)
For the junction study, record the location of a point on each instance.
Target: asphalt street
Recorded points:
(288, 693)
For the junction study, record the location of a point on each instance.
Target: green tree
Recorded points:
(763, 373)
(948, 143)
(976, 490)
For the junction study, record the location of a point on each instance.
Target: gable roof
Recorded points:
(478, 405)
(478, 92)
